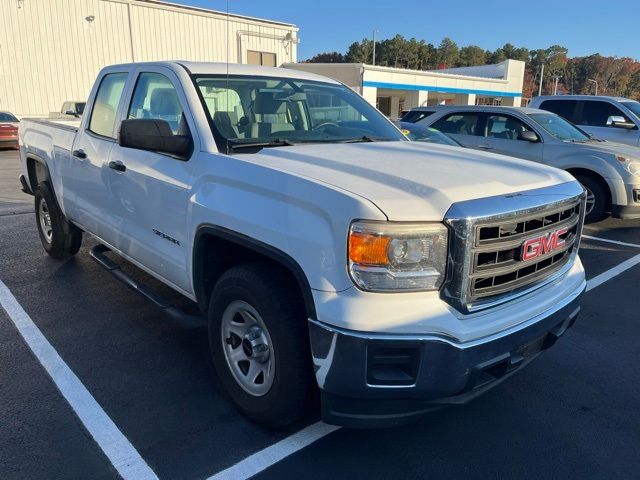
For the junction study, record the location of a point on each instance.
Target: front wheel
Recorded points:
(259, 342)
(59, 238)
(597, 199)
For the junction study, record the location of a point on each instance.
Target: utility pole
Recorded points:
(593, 81)
(541, 78)
(556, 79)
(374, 48)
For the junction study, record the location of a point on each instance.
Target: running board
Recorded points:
(177, 315)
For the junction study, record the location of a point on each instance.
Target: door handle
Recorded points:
(79, 154)
(118, 166)
(486, 146)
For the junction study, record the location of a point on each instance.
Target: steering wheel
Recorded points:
(325, 124)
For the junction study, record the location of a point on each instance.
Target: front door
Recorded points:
(501, 135)
(593, 118)
(149, 190)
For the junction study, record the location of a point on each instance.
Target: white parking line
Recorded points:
(614, 272)
(122, 455)
(617, 242)
(263, 459)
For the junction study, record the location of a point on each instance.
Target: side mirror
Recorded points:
(618, 121)
(153, 135)
(72, 113)
(529, 136)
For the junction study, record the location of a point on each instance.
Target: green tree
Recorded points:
(327, 57)
(471, 55)
(447, 53)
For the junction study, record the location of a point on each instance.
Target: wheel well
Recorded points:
(217, 249)
(37, 172)
(596, 177)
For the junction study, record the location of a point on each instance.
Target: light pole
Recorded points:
(541, 79)
(593, 81)
(556, 79)
(374, 48)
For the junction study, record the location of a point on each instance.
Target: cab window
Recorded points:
(460, 124)
(105, 106)
(564, 108)
(595, 113)
(505, 127)
(155, 97)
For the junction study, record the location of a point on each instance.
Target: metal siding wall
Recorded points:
(49, 53)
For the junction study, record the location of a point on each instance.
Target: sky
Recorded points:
(584, 27)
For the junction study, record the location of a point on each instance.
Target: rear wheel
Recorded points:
(259, 342)
(59, 238)
(597, 199)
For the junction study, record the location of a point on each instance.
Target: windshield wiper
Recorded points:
(276, 142)
(364, 138)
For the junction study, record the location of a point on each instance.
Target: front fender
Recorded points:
(304, 218)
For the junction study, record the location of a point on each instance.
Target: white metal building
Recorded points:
(395, 89)
(52, 50)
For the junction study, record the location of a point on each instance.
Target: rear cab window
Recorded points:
(565, 108)
(105, 106)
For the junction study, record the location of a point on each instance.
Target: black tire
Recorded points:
(61, 238)
(601, 205)
(293, 391)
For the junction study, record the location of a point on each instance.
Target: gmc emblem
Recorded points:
(534, 247)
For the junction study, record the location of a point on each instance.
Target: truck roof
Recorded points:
(222, 68)
(581, 97)
(484, 108)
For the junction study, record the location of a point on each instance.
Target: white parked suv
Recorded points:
(610, 172)
(323, 248)
(616, 119)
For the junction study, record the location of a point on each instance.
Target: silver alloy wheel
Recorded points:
(45, 220)
(591, 201)
(247, 348)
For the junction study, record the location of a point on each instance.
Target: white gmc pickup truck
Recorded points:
(323, 248)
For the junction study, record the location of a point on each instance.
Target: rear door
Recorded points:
(465, 127)
(149, 191)
(93, 209)
(501, 133)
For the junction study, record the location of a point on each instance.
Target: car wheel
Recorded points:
(259, 342)
(59, 238)
(597, 199)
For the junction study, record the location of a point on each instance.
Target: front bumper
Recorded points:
(372, 380)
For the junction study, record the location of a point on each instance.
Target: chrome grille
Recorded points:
(490, 249)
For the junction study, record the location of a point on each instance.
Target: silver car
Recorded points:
(615, 119)
(610, 172)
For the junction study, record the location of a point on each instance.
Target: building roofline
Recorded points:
(206, 11)
(406, 71)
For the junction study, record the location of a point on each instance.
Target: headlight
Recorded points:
(632, 166)
(387, 257)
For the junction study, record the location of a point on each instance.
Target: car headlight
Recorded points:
(632, 166)
(389, 257)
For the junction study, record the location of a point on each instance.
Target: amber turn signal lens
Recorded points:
(367, 249)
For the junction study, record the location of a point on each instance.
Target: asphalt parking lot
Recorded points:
(570, 414)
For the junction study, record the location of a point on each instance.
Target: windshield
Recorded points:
(267, 111)
(633, 106)
(559, 127)
(7, 117)
(420, 133)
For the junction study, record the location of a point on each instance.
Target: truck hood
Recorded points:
(410, 181)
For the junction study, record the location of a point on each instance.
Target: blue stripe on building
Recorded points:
(429, 88)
